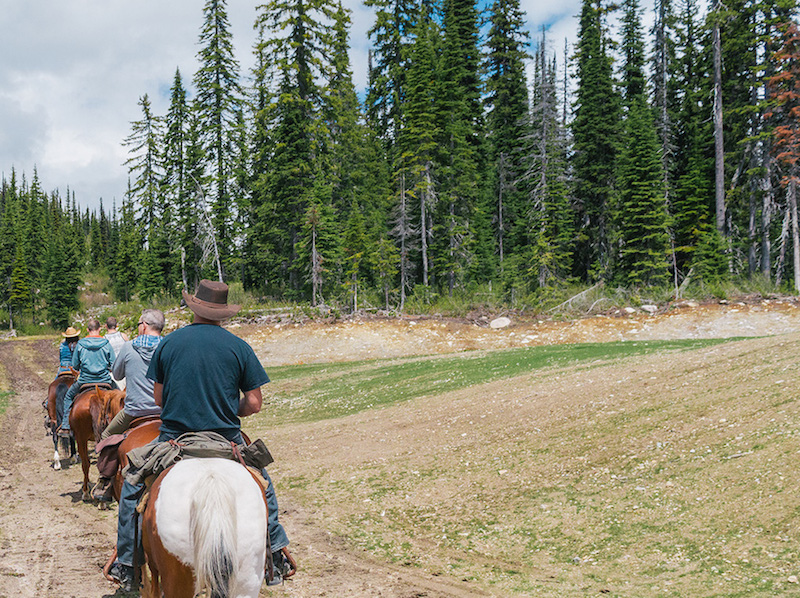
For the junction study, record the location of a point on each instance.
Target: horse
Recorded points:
(55, 396)
(205, 527)
(91, 412)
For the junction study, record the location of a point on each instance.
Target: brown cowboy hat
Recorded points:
(70, 332)
(210, 301)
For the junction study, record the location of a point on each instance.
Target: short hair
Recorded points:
(111, 322)
(93, 324)
(153, 318)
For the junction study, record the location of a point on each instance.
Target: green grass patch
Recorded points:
(5, 400)
(316, 392)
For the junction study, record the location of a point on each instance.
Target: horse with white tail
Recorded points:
(204, 529)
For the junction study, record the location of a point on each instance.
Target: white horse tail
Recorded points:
(212, 521)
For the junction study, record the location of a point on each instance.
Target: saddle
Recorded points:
(100, 385)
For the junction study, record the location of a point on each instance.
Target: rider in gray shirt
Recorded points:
(132, 363)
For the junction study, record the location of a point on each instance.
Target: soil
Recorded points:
(54, 545)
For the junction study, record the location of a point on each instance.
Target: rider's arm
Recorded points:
(157, 389)
(250, 403)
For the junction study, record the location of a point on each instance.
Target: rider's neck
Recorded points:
(201, 320)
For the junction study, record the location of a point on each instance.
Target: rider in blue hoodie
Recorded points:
(93, 358)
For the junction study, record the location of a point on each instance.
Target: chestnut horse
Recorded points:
(55, 397)
(91, 412)
(204, 528)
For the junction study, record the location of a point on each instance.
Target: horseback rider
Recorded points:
(198, 373)
(93, 357)
(66, 349)
(131, 364)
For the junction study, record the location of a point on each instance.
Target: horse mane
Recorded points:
(97, 409)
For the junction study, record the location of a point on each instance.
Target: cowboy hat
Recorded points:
(70, 332)
(210, 301)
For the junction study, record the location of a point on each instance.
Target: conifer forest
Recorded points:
(642, 156)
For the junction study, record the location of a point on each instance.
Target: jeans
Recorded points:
(126, 524)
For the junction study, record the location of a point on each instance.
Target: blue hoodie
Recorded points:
(93, 358)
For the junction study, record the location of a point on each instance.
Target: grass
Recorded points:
(316, 392)
(5, 400)
(638, 470)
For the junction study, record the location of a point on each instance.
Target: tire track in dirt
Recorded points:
(51, 544)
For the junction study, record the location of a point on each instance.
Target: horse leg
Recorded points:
(56, 456)
(83, 451)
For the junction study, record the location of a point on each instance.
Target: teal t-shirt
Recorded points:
(203, 367)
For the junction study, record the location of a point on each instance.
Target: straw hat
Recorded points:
(70, 333)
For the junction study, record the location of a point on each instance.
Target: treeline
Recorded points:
(655, 158)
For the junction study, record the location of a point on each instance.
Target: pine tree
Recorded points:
(460, 114)
(217, 103)
(784, 91)
(595, 130)
(144, 166)
(177, 186)
(126, 266)
(296, 54)
(545, 230)
(507, 104)
(640, 218)
(389, 63)
(690, 205)
(416, 152)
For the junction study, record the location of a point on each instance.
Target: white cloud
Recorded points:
(73, 72)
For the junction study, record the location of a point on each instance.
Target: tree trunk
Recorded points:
(719, 149)
(766, 214)
(423, 223)
(792, 198)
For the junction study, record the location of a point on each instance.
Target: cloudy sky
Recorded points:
(72, 73)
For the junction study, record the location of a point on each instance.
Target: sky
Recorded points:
(72, 73)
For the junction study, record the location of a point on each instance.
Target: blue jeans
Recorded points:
(126, 524)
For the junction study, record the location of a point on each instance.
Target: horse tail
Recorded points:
(212, 520)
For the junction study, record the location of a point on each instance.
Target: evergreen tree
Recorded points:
(217, 104)
(784, 90)
(641, 211)
(642, 222)
(693, 165)
(595, 130)
(545, 230)
(144, 165)
(416, 152)
(389, 63)
(296, 54)
(461, 171)
(507, 104)
(177, 186)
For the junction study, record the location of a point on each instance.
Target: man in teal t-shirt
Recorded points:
(192, 402)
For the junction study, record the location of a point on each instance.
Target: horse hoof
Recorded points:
(57, 465)
(87, 497)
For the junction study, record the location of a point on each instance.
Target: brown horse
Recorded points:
(55, 396)
(91, 412)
